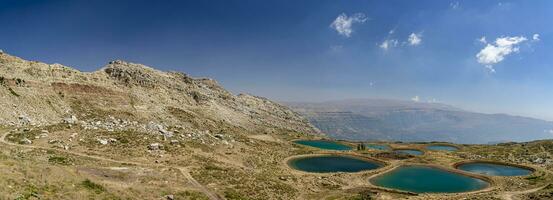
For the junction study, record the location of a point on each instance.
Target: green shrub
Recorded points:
(13, 92)
(59, 160)
(96, 188)
(234, 195)
(19, 81)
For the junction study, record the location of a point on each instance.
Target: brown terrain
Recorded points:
(128, 131)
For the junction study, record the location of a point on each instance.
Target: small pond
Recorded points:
(423, 179)
(409, 151)
(332, 163)
(324, 144)
(442, 148)
(494, 169)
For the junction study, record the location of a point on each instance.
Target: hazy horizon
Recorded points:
(489, 57)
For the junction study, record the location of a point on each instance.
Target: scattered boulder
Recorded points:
(25, 141)
(53, 141)
(24, 120)
(70, 120)
(102, 141)
(155, 146)
(160, 129)
(169, 197)
(42, 135)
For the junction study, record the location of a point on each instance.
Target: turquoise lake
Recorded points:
(422, 179)
(381, 147)
(324, 144)
(494, 169)
(442, 148)
(332, 163)
(410, 152)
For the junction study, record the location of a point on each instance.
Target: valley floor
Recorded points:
(70, 163)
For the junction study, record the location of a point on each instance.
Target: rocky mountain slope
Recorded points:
(381, 119)
(130, 131)
(127, 95)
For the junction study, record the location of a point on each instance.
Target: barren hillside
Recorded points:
(41, 94)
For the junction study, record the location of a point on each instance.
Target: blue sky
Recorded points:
(312, 50)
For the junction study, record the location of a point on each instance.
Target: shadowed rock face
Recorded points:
(48, 93)
(409, 121)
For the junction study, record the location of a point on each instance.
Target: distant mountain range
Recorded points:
(394, 120)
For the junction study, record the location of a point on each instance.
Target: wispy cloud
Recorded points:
(483, 40)
(415, 99)
(490, 68)
(344, 24)
(391, 32)
(454, 5)
(495, 53)
(536, 37)
(389, 43)
(415, 39)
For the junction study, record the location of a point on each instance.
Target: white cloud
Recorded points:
(387, 44)
(392, 31)
(415, 39)
(490, 68)
(550, 131)
(343, 24)
(483, 40)
(536, 37)
(415, 99)
(495, 53)
(454, 5)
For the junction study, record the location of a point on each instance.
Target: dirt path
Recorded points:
(196, 184)
(184, 171)
(509, 195)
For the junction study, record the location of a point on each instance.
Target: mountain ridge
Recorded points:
(368, 119)
(43, 94)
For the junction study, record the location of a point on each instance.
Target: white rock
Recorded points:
(53, 141)
(155, 146)
(24, 120)
(26, 141)
(70, 120)
(102, 141)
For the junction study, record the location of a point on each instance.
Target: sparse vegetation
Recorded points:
(234, 195)
(19, 81)
(96, 188)
(30, 192)
(13, 92)
(60, 160)
(191, 195)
